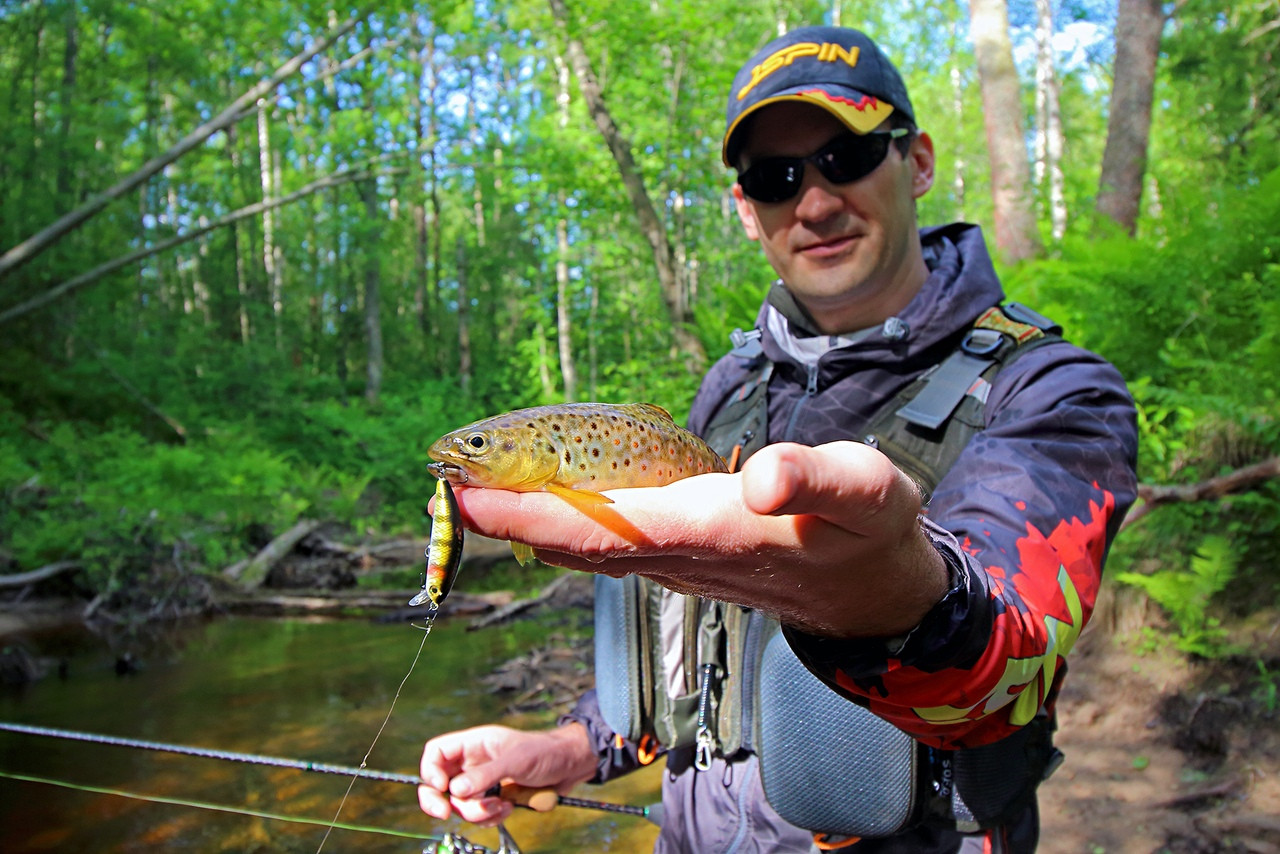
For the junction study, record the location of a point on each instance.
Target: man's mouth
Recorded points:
(829, 246)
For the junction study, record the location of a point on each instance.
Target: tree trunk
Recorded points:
(372, 293)
(464, 311)
(66, 98)
(564, 325)
(1124, 160)
(46, 237)
(275, 285)
(962, 165)
(424, 147)
(1049, 121)
(1016, 236)
(671, 278)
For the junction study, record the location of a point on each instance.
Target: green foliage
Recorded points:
(116, 501)
(1186, 595)
(481, 166)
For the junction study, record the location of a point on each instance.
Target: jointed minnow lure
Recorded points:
(444, 551)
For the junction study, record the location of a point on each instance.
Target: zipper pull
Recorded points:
(811, 387)
(705, 743)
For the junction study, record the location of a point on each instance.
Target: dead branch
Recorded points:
(509, 611)
(114, 264)
(252, 572)
(1155, 495)
(22, 579)
(42, 240)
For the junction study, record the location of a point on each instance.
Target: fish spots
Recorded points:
(615, 465)
(568, 456)
(595, 452)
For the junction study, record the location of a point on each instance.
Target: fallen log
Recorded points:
(253, 571)
(520, 605)
(22, 579)
(389, 603)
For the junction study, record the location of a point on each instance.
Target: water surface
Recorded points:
(315, 690)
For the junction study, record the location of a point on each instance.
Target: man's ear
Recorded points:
(746, 213)
(922, 161)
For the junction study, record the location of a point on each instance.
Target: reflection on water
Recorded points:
(301, 689)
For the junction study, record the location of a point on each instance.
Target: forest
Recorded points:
(255, 256)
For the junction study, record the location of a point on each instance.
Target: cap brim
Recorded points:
(860, 112)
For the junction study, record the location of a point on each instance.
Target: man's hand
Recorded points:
(460, 767)
(828, 538)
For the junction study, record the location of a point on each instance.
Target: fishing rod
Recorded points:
(536, 799)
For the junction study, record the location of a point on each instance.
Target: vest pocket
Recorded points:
(625, 683)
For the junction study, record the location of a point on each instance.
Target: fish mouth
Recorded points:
(448, 471)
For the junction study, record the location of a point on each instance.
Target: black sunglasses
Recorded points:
(844, 159)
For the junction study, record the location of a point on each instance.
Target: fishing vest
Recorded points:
(827, 764)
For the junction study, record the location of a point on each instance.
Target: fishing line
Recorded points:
(205, 805)
(431, 618)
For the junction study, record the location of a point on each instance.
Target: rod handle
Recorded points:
(537, 799)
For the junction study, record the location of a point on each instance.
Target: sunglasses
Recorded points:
(843, 160)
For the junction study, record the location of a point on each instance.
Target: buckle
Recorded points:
(982, 342)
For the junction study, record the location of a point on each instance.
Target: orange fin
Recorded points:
(578, 497)
(595, 506)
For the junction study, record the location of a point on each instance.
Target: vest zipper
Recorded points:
(705, 743)
(810, 390)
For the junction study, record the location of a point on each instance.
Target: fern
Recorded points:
(1185, 595)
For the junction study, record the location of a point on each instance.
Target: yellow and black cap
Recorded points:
(838, 69)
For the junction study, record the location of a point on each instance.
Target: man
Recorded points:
(950, 626)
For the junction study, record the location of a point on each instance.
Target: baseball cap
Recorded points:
(838, 69)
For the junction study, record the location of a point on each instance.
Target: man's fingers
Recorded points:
(844, 483)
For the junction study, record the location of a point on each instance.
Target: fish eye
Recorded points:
(477, 441)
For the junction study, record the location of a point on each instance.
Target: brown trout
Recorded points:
(575, 450)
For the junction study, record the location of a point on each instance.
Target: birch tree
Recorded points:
(1017, 238)
(1049, 121)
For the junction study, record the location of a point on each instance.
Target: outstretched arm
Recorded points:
(828, 539)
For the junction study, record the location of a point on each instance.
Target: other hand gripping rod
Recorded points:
(539, 800)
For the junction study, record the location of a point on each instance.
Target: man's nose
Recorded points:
(818, 199)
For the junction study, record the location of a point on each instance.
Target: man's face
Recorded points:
(849, 253)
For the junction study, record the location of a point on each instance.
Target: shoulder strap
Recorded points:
(740, 426)
(994, 336)
(926, 426)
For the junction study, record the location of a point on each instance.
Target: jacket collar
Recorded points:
(962, 284)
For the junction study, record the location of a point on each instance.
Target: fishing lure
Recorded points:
(444, 551)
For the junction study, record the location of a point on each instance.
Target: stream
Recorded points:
(315, 690)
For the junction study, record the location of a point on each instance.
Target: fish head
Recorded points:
(494, 454)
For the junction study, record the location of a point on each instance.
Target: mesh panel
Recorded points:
(615, 614)
(827, 764)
